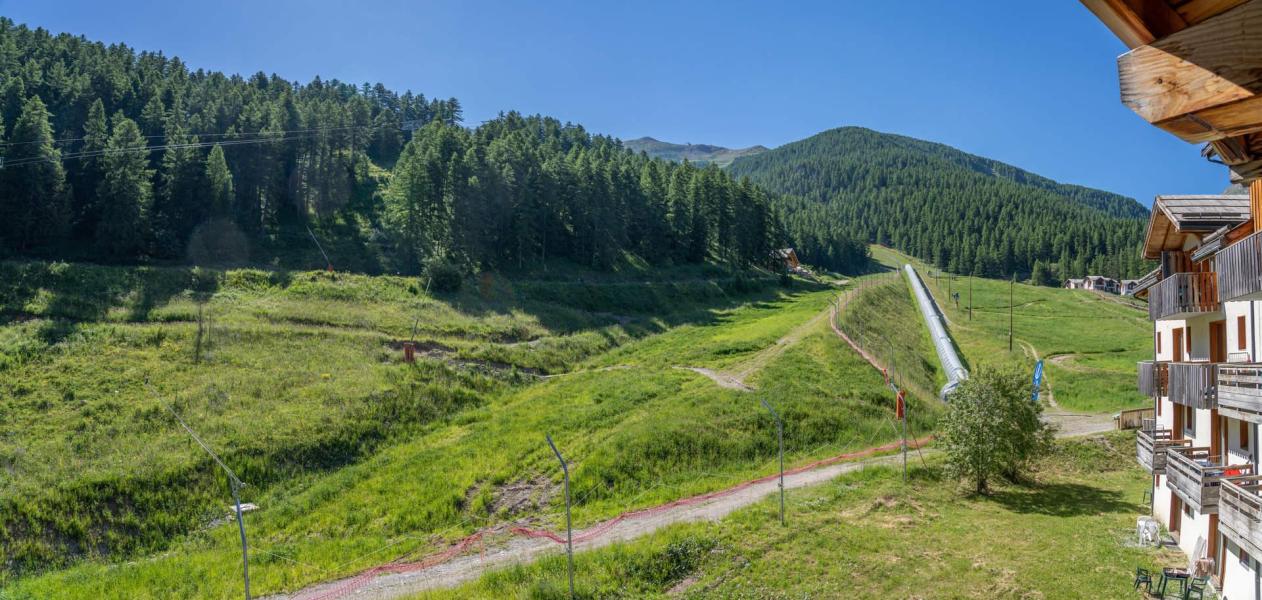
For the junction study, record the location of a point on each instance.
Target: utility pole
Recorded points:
(233, 481)
(569, 531)
(328, 264)
(780, 439)
(1011, 283)
(970, 298)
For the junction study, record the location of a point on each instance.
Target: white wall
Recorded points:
(1238, 577)
(1193, 528)
(1233, 310)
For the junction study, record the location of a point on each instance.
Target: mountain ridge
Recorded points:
(696, 153)
(958, 210)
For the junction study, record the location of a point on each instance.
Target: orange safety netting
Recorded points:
(347, 586)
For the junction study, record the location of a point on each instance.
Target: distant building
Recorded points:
(1128, 286)
(787, 258)
(1095, 283)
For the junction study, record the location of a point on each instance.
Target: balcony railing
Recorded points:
(1194, 384)
(1240, 391)
(1239, 268)
(1240, 512)
(1151, 446)
(1154, 378)
(1194, 474)
(1183, 295)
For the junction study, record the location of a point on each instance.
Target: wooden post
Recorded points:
(1255, 204)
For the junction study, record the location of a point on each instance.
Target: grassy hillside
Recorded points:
(1090, 341)
(354, 457)
(947, 207)
(881, 316)
(697, 153)
(866, 535)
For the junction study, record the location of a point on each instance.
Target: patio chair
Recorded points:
(1142, 576)
(1196, 589)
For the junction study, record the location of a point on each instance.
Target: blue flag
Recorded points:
(1038, 380)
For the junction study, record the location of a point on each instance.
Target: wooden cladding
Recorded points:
(1239, 268)
(1151, 446)
(1183, 294)
(1194, 385)
(1195, 474)
(1240, 391)
(1153, 378)
(1240, 512)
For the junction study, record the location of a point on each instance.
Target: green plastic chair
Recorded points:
(1142, 576)
(1197, 587)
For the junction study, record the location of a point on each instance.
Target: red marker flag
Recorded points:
(899, 405)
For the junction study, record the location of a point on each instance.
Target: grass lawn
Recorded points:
(1091, 342)
(867, 535)
(639, 432)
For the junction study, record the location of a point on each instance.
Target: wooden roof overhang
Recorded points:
(1194, 69)
(1174, 218)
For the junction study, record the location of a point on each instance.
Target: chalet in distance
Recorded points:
(1194, 69)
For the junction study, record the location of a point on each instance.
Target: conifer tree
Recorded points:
(126, 192)
(34, 203)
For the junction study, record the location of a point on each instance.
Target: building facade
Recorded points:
(1205, 379)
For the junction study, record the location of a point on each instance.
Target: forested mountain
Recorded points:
(117, 155)
(697, 153)
(962, 212)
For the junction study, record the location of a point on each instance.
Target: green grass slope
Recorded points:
(1090, 342)
(459, 435)
(867, 535)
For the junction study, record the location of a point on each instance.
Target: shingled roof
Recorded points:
(1175, 217)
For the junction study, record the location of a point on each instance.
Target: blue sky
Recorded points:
(1029, 83)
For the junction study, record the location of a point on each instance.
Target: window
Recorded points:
(1187, 511)
(1244, 435)
(1188, 335)
(1244, 557)
(1158, 341)
(1240, 333)
(1189, 421)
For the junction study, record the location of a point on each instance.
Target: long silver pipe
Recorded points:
(951, 364)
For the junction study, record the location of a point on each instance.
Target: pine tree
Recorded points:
(218, 184)
(34, 202)
(125, 193)
(89, 172)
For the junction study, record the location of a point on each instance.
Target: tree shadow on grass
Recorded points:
(1063, 500)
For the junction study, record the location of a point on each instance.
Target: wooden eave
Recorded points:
(1176, 217)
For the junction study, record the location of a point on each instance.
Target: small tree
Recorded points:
(992, 427)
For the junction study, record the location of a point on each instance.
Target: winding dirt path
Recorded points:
(733, 378)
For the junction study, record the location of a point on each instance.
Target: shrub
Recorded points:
(992, 428)
(444, 277)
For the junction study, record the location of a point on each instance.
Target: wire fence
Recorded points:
(452, 550)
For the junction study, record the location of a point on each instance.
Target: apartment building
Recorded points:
(1206, 382)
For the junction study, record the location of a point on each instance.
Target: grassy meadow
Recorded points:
(356, 458)
(1090, 342)
(1069, 534)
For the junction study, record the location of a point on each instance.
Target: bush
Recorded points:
(993, 428)
(444, 277)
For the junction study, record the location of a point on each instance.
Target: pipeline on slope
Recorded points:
(955, 370)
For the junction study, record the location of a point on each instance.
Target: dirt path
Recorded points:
(733, 378)
(518, 550)
(1068, 424)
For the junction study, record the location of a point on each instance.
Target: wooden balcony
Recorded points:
(1195, 475)
(1184, 295)
(1194, 384)
(1240, 512)
(1151, 446)
(1240, 391)
(1154, 378)
(1239, 269)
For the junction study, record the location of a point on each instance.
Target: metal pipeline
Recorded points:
(955, 370)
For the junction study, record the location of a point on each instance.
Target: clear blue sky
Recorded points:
(1029, 83)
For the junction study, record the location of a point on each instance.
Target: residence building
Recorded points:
(1192, 69)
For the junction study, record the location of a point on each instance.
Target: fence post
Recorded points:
(569, 531)
(780, 440)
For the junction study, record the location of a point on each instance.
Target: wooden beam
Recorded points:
(1195, 11)
(1201, 83)
(1245, 173)
(1206, 65)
